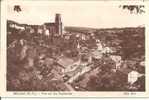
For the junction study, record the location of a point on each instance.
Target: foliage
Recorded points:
(17, 8)
(138, 8)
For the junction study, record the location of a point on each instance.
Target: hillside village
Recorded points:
(49, 57)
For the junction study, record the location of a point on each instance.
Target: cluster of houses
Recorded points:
(54, 28)
(70, 68)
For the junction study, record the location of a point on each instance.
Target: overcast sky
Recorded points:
(84, 14)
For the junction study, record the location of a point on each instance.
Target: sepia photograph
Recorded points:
(73, 48)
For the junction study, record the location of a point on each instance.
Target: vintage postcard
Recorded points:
(74, 48)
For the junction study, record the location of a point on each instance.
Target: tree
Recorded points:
(138, 8)
(17, 8)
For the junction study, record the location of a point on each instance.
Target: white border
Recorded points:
(5, 93)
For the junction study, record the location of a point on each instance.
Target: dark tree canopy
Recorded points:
(17, 8)
(138, 8)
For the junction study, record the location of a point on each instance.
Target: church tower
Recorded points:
(58, 24)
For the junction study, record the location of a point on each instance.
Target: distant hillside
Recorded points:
(79, 29)
(93, 30)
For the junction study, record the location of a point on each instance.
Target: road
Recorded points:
(69, 86)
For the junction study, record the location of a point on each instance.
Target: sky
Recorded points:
(83, 14)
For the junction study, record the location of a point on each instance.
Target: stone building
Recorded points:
(48, 29)
(55, 28)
